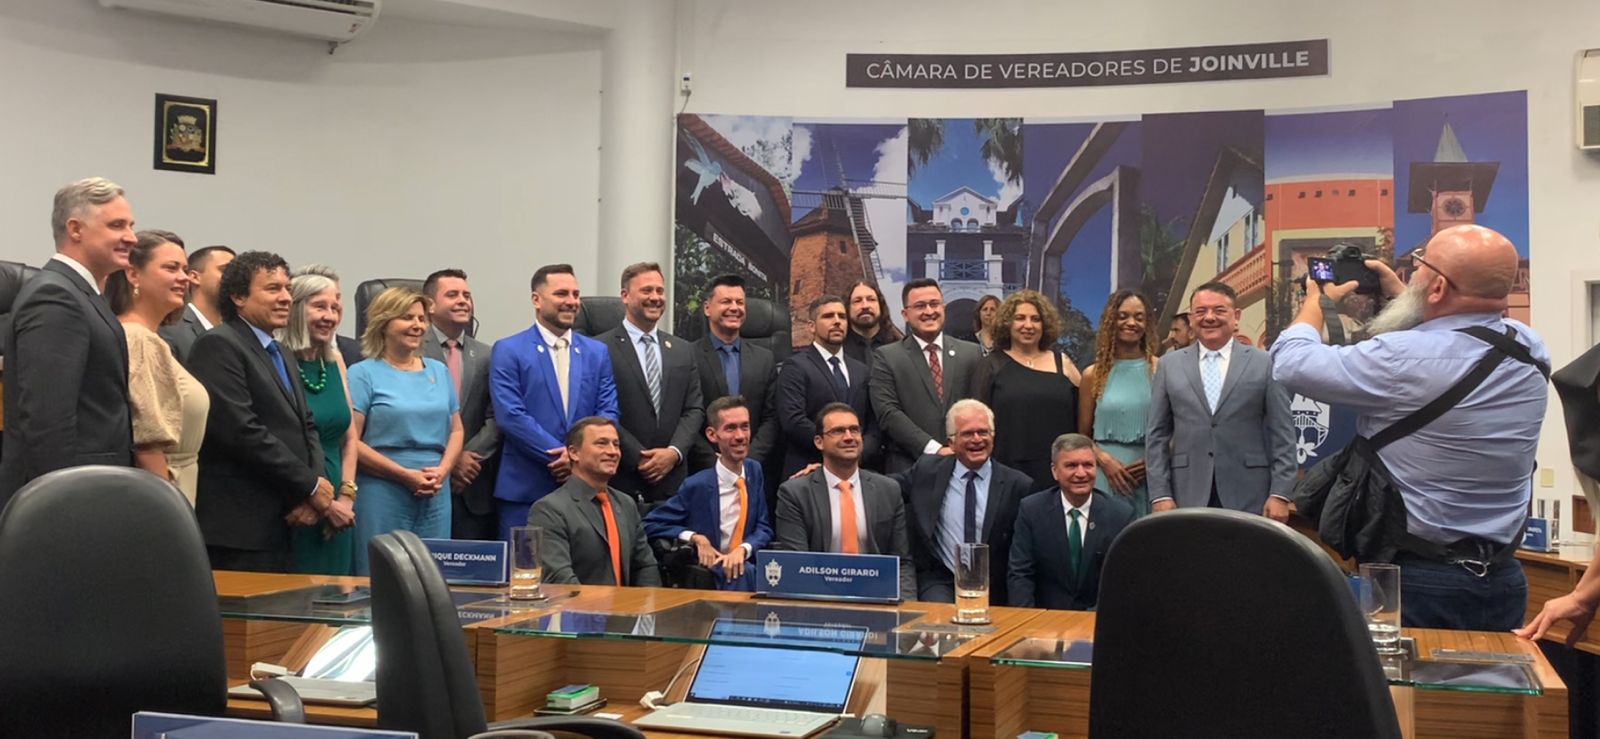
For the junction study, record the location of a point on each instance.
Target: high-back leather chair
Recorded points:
(766, 324)
(12, 275)
(426, 681)
(368, 290)
(107, 606)
(598, 314)
(1220, 623)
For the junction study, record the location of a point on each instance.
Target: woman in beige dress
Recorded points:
(168, 405)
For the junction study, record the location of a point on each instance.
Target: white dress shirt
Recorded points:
(844, 369)
(80, 269)
(833, 510)
(1083, 515)
(933, 445)
(728, 504)
(205, 323)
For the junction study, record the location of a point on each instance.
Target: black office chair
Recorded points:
(426, 681)
(1219, 623)
(598, 314)
(680, 565)
(107, 607)
(766, 324)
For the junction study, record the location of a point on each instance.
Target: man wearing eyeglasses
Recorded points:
(917, 379)
(842, 508)
(1466, 478)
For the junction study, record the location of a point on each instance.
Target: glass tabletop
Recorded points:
(887, 633)
(1406, 669)
(339, 605)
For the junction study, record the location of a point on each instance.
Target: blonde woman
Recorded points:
(408, 419)
(168, 405)
(1031, 385)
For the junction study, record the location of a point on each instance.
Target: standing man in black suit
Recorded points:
(658, 389)
(203, 312)
(870, 325)
(965, 497)
(729, 365)
(915, 381)
(816, 377)
(66, 389)
(261, 463)
(1062, 535)
(472, 513)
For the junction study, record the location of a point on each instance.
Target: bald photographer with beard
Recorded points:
(1465, 476)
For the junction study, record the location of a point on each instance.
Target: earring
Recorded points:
(136, 291)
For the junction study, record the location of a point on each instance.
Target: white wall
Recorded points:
(415, 147)
(788, 59)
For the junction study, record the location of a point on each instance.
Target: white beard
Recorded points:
(1403, 313)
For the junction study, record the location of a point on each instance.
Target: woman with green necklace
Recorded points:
(327, 548)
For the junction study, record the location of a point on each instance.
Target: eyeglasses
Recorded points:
(926, 305)
(1416, 256)
(839, 431)
(975, 434)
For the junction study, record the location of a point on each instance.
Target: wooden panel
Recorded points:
(1582, 515)
(1445, 714)
(515, 673)
(928, 693)
(247, 642)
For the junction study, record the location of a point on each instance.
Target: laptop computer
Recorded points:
(774, 692)
(341, 673)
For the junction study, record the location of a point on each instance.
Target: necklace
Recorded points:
(321, 382)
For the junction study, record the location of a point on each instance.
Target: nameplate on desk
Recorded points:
(152, 725)
(827, 576)
(1537, 535)
(470, 562)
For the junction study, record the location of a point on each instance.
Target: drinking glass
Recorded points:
(526, 570)
(1380, 603)
(972, 584)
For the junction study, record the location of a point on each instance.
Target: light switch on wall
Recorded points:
(1547, 478)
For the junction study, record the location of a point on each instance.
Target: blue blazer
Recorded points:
(527, 406)
(697, 507)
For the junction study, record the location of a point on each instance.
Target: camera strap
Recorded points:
(1330, 320)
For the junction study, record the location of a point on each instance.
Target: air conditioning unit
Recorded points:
(330, 20)
(1588, 95)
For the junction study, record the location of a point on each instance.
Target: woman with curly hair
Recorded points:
(1116, 397)
(1029, 384)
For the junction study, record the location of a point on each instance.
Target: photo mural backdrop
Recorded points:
(1080, 208)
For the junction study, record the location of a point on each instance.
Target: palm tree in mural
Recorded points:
(1160, 248)
(925, 137)
(1002, 144)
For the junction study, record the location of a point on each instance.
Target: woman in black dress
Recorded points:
(1031, 386)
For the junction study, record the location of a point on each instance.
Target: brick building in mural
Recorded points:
(833, 247)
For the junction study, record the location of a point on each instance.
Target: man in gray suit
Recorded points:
(842, 508)
(66, 389)
(592, 532)
(203, 311)
(1219, 431)
(472, 511)
(915, 381)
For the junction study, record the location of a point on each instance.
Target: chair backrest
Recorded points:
(426, 681)
(1219, 623)
(107, 605)
(12, 275)
(366, 291)
(598, 314)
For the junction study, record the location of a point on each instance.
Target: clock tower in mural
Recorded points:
(1450, 189)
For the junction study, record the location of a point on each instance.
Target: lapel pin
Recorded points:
(541, 349)
(667, 344)
(576, 350)
(952, 352)
(1091, 526)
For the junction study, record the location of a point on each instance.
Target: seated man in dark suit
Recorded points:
(842, 508)
(815, 377)
(721, 510)
(261, 462)
(592, 532)
(204, 310)
(1062, 535)
(963, 497)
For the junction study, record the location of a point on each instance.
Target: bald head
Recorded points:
(1481, 262)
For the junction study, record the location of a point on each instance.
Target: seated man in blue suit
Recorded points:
(1062, 534)
(721, 510)
(541, 381)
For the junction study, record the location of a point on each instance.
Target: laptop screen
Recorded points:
(779, 677)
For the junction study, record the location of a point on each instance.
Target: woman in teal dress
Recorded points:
(409, 421)
(327, 548)
(1115, 400)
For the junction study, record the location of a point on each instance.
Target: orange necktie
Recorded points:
(744, 505)
(847, 520)
(611, 534)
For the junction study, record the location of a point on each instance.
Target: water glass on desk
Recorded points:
(972, 584)
(1380, 603)
(526, 569)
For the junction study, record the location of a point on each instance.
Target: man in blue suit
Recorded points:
(1063, 533)
(721, 510)
(542, 380)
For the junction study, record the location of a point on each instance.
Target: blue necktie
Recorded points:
(283, 369)
(1211, 377)
(729, 354)
(652, 370)
(969, 532)
(841, 386)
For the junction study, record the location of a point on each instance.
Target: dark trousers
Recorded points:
(247, 560)
(939, 586)
(1439, 595)
(464, 524)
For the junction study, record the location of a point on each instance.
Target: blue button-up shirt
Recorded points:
(953, 511)
(1467, 474)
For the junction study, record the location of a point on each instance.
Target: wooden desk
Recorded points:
(1554, 574)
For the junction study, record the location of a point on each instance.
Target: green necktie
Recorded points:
(1075, 543)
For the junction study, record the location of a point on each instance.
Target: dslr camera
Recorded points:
(1345, 263)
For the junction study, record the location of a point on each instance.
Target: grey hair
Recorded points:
(322, 270)
(963, 407)
(1069, 443)
(74, 199)
(296, 337)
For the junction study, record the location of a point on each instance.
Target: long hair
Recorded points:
(308, 283)
(977, 313)
(1105, 342)
(1049, 318)
(885, 321)
(119, 291)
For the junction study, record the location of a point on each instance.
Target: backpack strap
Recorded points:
(1507, 343)
(1499, 351)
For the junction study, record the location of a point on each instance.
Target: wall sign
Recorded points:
(470, 562)
(1091, 68)
(827, 576)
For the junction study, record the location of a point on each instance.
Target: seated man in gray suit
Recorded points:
(593, 535)
(916, 380)
(842, 508)
(1219, 432)
(1063, 534)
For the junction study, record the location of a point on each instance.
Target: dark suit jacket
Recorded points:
(181, 335)
(804, 386)
(758, 383)
(682, 416)
(477, 416)
(1040, 576)
(925, 486)
(909, 411)
(804, 520)
(573, 548)
(697, 508)
(66, 384)
(261, 455)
